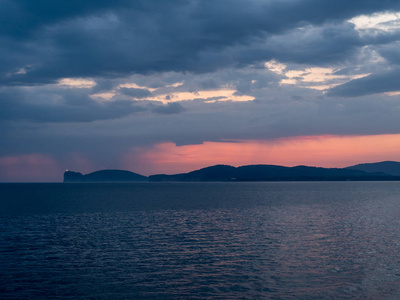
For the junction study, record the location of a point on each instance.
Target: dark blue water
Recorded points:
(315, 240)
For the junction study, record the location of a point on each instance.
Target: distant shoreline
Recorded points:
(382, 171)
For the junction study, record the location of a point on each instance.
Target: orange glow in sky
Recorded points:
(321, 151)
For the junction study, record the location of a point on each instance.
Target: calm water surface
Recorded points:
(309, 240)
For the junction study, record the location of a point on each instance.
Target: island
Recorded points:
(273, 173)
(363, 172)
(104, 176)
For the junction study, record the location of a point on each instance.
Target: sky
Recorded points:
(157, 86)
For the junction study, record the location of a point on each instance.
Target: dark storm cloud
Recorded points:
(391, 52)
(113, 39)
(59, 106)
(22, 17)
(372, 84)
(316, 45)
(228, 18)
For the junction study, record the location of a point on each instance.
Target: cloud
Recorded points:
(387, 21)
(372, 84)
(55, 105)
(168, 109)
(25, 17)
(390, 51)
(101, 39)
(135, 93)
(76, 83)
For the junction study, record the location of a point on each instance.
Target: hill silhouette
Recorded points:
(271, 173)
(377, 171)
(387, 167)
(104, 176)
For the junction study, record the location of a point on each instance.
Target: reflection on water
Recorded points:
(201, 241)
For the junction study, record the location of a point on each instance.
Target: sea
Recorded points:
(214, 240)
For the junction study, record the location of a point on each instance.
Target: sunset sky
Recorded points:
(157, 86)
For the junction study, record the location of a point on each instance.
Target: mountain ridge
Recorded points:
(258, 172)
(109, 175)
(271, 173)
(387, 167)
